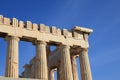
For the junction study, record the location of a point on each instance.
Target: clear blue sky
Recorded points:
(103, 16)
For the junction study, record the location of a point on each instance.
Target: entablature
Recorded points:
(30, 32)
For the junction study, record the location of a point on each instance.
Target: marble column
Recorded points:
(41, 70)
(51, 74)
(12, 57)
(74, 67)
(59, 72)
(66, 63)
(85, 65)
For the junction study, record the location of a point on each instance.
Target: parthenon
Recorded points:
(69, 45)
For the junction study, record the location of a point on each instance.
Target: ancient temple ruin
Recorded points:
(69, 45)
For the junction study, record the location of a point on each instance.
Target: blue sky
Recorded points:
(103, 16)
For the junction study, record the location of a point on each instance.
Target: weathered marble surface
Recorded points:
(3, 78)
(68, 43)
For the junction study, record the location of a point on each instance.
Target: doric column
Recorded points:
(51, 74)
(12, 57)
(41, 70)
(74, 67)
(66, 63)
(85, 65)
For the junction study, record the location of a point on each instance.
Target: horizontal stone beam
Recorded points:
(82, 29)
(29, 35)
(29, 31)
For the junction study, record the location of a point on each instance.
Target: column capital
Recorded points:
(39, 42)
(63, 46)
(84, 49)
(7, 38)
(73, 56)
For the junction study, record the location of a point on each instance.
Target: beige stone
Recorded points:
(85, 65)
(41, 71)
(54, 30)
(12, 57)
(42, 28)
(6, 21)
(1, 19)
(14, 22)
(35, 27)
(78, 35)
(66, 63)
(69, 44)
(21, 24)
(69, 34)
(47, 29)
(29, 25)
(59, 72)
(65, 32)
(51, 74)
(58, 32)
(31, 35)
(74, 68)
(82, 29)
(85, 35)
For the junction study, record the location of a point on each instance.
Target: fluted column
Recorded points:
(59, 72)
(66, 63)
(85, 65)
(49, 70)
(12, 57)
(74, 67)
(51, 74)
(41, 70)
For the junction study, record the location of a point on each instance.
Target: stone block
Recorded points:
(6, 21)
(42, 28)
(14, 22)
(1, 19)
(47, 29)
(58, 32)
(69, 34)
(21, 24)
(80, 36)
(29, 25)
(53, 30)
(82, 29)
(75, 34)
(35, 27)
(65, 32)
(85, 35)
